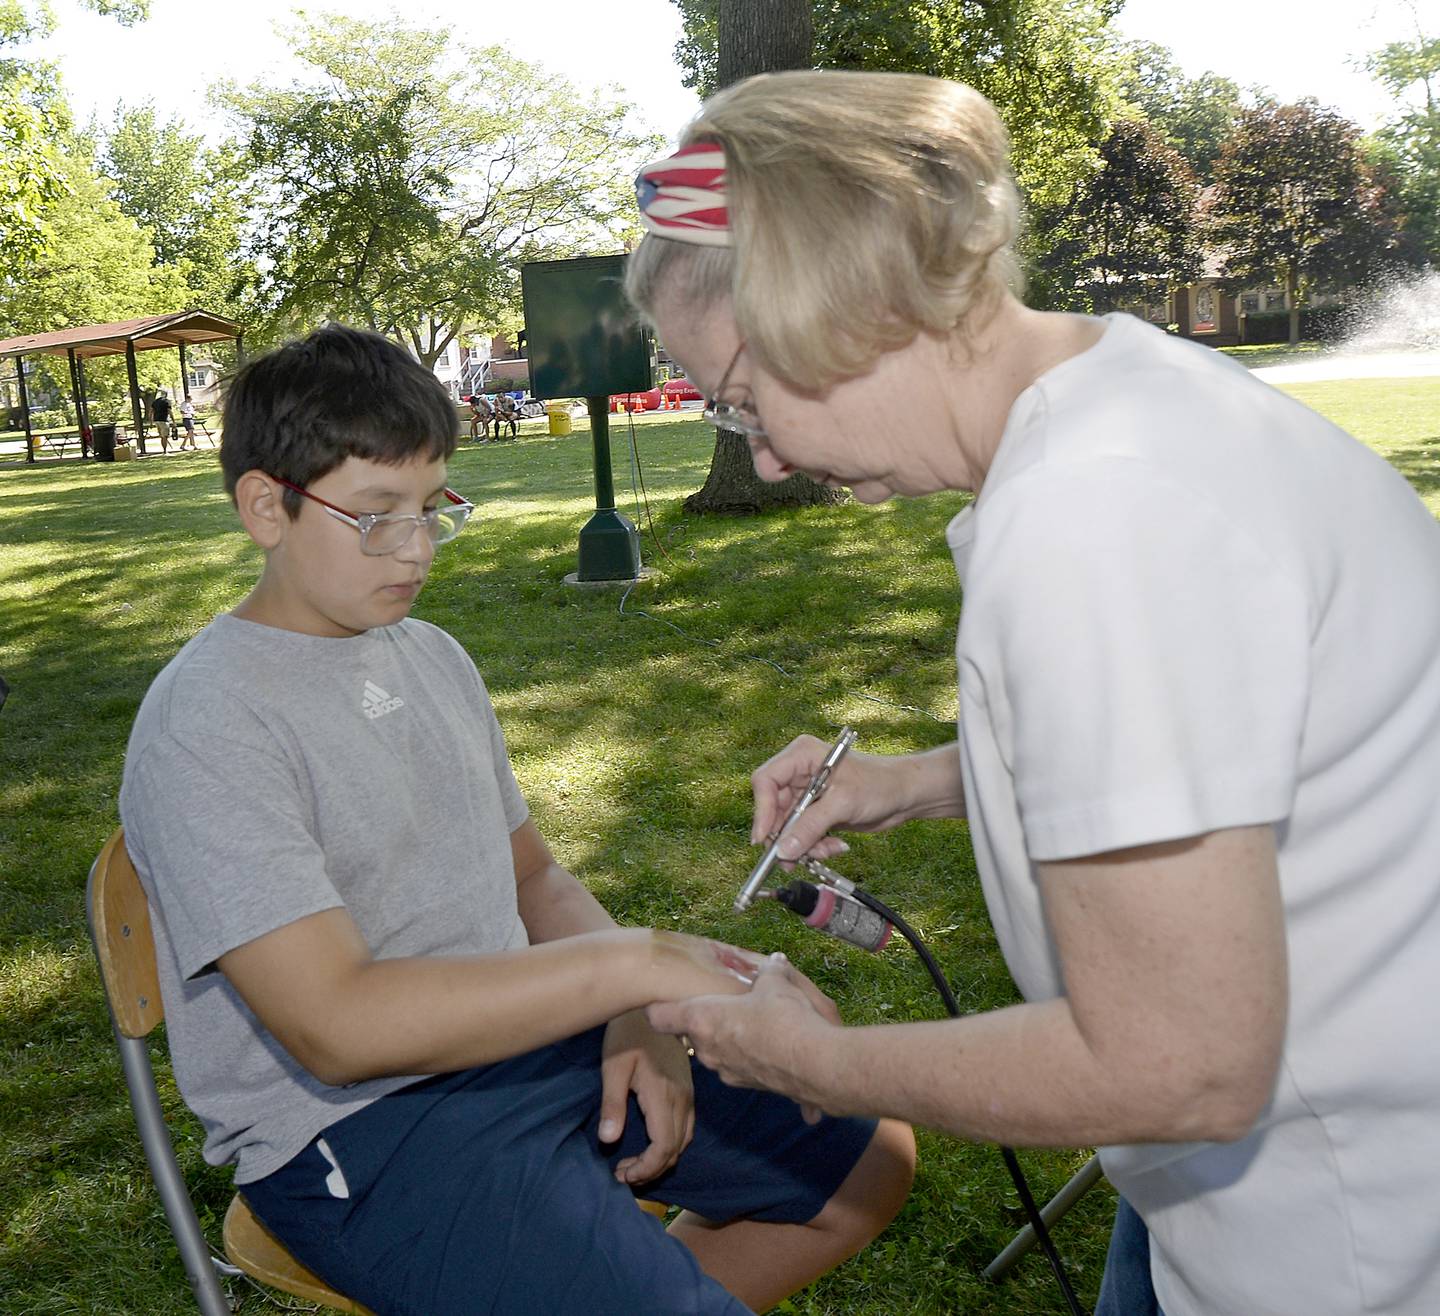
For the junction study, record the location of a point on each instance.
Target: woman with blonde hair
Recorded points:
(1199, 707)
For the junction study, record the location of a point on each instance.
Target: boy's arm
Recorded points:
(552, 902)
(554, 905)
(346, 1016)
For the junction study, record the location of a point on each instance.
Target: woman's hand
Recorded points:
(865, 793)
(657, 1070)
(758, 1040)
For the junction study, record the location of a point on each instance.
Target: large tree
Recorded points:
(98, 266)
(33, 120)
(1408, 146)
(1048, 65)
(756, 36)
(1129, 230)
(1196, 115)
(1296, 203)
(187, 197)
(404, 180)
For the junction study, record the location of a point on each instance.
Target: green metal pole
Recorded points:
(609, 542)
(599, 409)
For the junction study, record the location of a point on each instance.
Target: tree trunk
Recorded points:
(733, 489)
(762, 36)
(757, 36)
(1292, 303)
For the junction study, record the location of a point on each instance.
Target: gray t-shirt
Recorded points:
(271, 775)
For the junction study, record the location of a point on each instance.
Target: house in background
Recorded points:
(1204, 312)
(473, 363)
(202, 382)
(507, 364)
(463, 366)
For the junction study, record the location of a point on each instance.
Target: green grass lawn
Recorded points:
(633, 741)
(1256, 355)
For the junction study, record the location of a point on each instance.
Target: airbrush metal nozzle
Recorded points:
(812, 792)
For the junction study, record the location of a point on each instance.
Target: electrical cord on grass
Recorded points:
(1007, 1154)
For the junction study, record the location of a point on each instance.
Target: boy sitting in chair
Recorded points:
(420, 1040)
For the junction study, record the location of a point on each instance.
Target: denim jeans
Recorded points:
(1125, 1289)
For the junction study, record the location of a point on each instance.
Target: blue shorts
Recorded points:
(489, 1191)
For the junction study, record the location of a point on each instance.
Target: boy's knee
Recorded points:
(894, 1143)
(874, 1191)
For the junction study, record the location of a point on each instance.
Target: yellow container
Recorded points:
(558, 414)
(123, 452)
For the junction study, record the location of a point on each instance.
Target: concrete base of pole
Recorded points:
(574, 579)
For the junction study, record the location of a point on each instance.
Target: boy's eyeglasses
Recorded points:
(738, 418)
(383, 533)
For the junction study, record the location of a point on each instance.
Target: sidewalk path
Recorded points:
(1352, 365)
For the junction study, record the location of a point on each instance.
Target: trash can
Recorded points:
(104, 443)
(558, 414)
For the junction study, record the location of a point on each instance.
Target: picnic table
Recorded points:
(57, 440)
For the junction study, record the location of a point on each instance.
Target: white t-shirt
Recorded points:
(1192, 604)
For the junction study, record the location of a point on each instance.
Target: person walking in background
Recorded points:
(162, 413)
(187, 419)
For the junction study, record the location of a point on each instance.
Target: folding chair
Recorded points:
(120, 929)
(119, 918)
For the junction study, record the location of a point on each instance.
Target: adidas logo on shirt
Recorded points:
(376, 702)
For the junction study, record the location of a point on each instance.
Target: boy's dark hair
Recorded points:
(296, 413)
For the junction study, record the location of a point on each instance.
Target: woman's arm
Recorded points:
(1170, 1030)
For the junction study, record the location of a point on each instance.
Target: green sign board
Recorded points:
(583, 339)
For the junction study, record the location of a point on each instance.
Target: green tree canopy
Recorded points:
(1408, 146)
(1130, 229)
(33, 117)
(99, 266)
(186, 197)
(1196, 115)
(1048, 65)
(404, 180)
(1295, 202)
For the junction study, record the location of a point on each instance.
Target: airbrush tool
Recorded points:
(838, 907)
(811, 793)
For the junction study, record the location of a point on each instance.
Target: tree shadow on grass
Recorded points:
(1419, 462)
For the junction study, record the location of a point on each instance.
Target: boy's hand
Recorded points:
(657, 1070)
(682, 966)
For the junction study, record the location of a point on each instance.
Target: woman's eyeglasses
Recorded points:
(737, 417)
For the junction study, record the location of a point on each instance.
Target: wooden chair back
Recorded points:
(125, 949)
(124, 944)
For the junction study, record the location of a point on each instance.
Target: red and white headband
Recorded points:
(683, 196)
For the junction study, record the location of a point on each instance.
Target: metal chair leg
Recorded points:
(1084, 1179)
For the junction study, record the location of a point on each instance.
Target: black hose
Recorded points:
(952, 1007)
